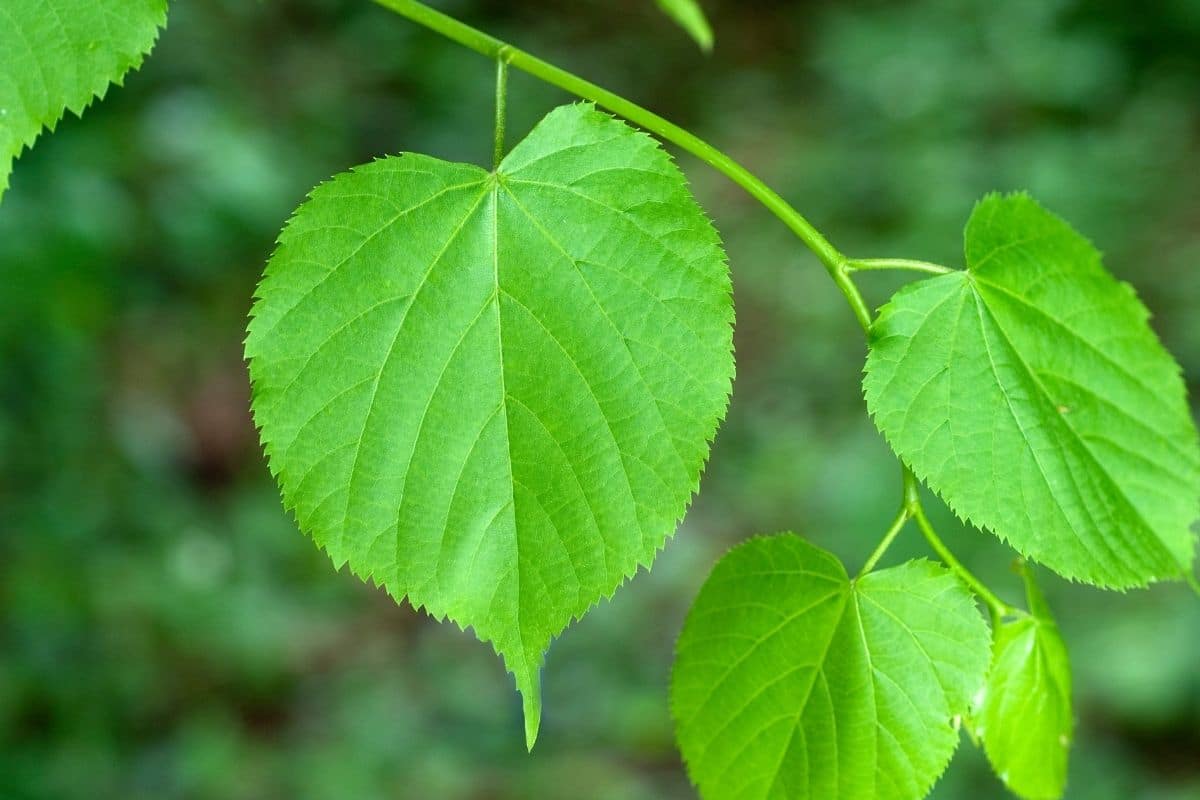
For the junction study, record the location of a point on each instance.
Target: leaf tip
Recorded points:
(530, 688)
(689, 16)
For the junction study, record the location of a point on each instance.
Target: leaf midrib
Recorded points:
(1155, 397)
(1050, 408)
(819, 669)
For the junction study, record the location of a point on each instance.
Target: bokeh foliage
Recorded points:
(165, 632)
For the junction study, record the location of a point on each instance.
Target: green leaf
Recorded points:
(56, 55)
(494, 393)
(1031, 394)
(1024, 716)
(792, 681)
(689, 16)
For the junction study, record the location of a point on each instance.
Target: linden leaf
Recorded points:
(494, 393)
(1024, 717)
(1031, 394)
(689, 16)
(792, 681)
(56, 55)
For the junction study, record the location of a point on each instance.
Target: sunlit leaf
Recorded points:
(493, 393)
(57, 55)
(792, 681)
(1030, 393)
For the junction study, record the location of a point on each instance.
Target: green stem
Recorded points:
(836, 264)
(902, 516)
(863, 264)
(475, 39)
(912, 501)
(501, 110)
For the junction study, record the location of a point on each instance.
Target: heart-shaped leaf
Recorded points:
(494, 392)
(791, 681)
(1031, 394)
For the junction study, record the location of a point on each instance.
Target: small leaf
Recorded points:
(689, 16)
(1025, 718)
(493, 393)
(1031, 394)
(57, 55)
(792, 681)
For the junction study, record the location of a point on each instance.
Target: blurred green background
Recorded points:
(165, 631)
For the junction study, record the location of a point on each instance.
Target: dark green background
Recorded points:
(165, 632)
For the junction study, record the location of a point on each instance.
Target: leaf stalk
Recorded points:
(912, 501)
(865, 264)
(902, 517)
(501, 111)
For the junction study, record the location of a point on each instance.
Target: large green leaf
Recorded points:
(791, 681)
(1024, 716)
(690, 16)
(493, 393)
(1031, 394)
(57, 55)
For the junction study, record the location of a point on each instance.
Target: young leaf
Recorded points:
(792, 681)
(689, 16)
(57, 55)
(1024, 718)
(493, 393)
(1031, 394)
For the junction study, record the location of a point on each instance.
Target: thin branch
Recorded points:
(836, 264)
(475, 39)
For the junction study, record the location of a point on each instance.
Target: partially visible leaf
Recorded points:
(792, 681)
(1024, 715)
(689, 16)
(1031, 394)
(494, 393)
(56, 55)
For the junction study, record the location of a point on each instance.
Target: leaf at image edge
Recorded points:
(1031, 394)
(57, 55)
(690, 16)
